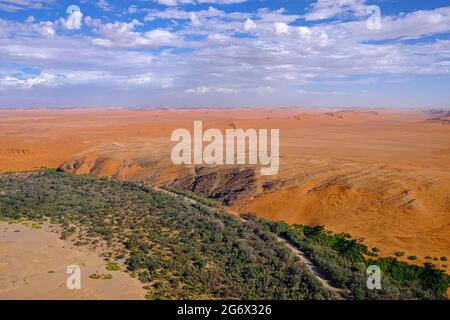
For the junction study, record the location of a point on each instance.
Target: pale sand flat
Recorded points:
(27, 257)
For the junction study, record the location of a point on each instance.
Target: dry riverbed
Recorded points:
(33, 265)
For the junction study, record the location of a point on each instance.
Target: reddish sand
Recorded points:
(379, 174)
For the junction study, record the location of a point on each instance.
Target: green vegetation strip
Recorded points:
(345, 260)
(184, 251)
(210, 202)
(178, 250)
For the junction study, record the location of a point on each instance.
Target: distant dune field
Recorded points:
(383, 175)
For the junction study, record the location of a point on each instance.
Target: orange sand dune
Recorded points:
(379, 174)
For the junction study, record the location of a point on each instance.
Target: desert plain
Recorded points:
(378, 174)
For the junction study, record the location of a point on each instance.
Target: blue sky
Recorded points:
(224, 53)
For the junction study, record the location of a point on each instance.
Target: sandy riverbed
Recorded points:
(33, 266)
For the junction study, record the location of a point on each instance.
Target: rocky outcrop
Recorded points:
(227, 184)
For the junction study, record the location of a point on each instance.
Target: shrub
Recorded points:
(112, 266)
(94, 276)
